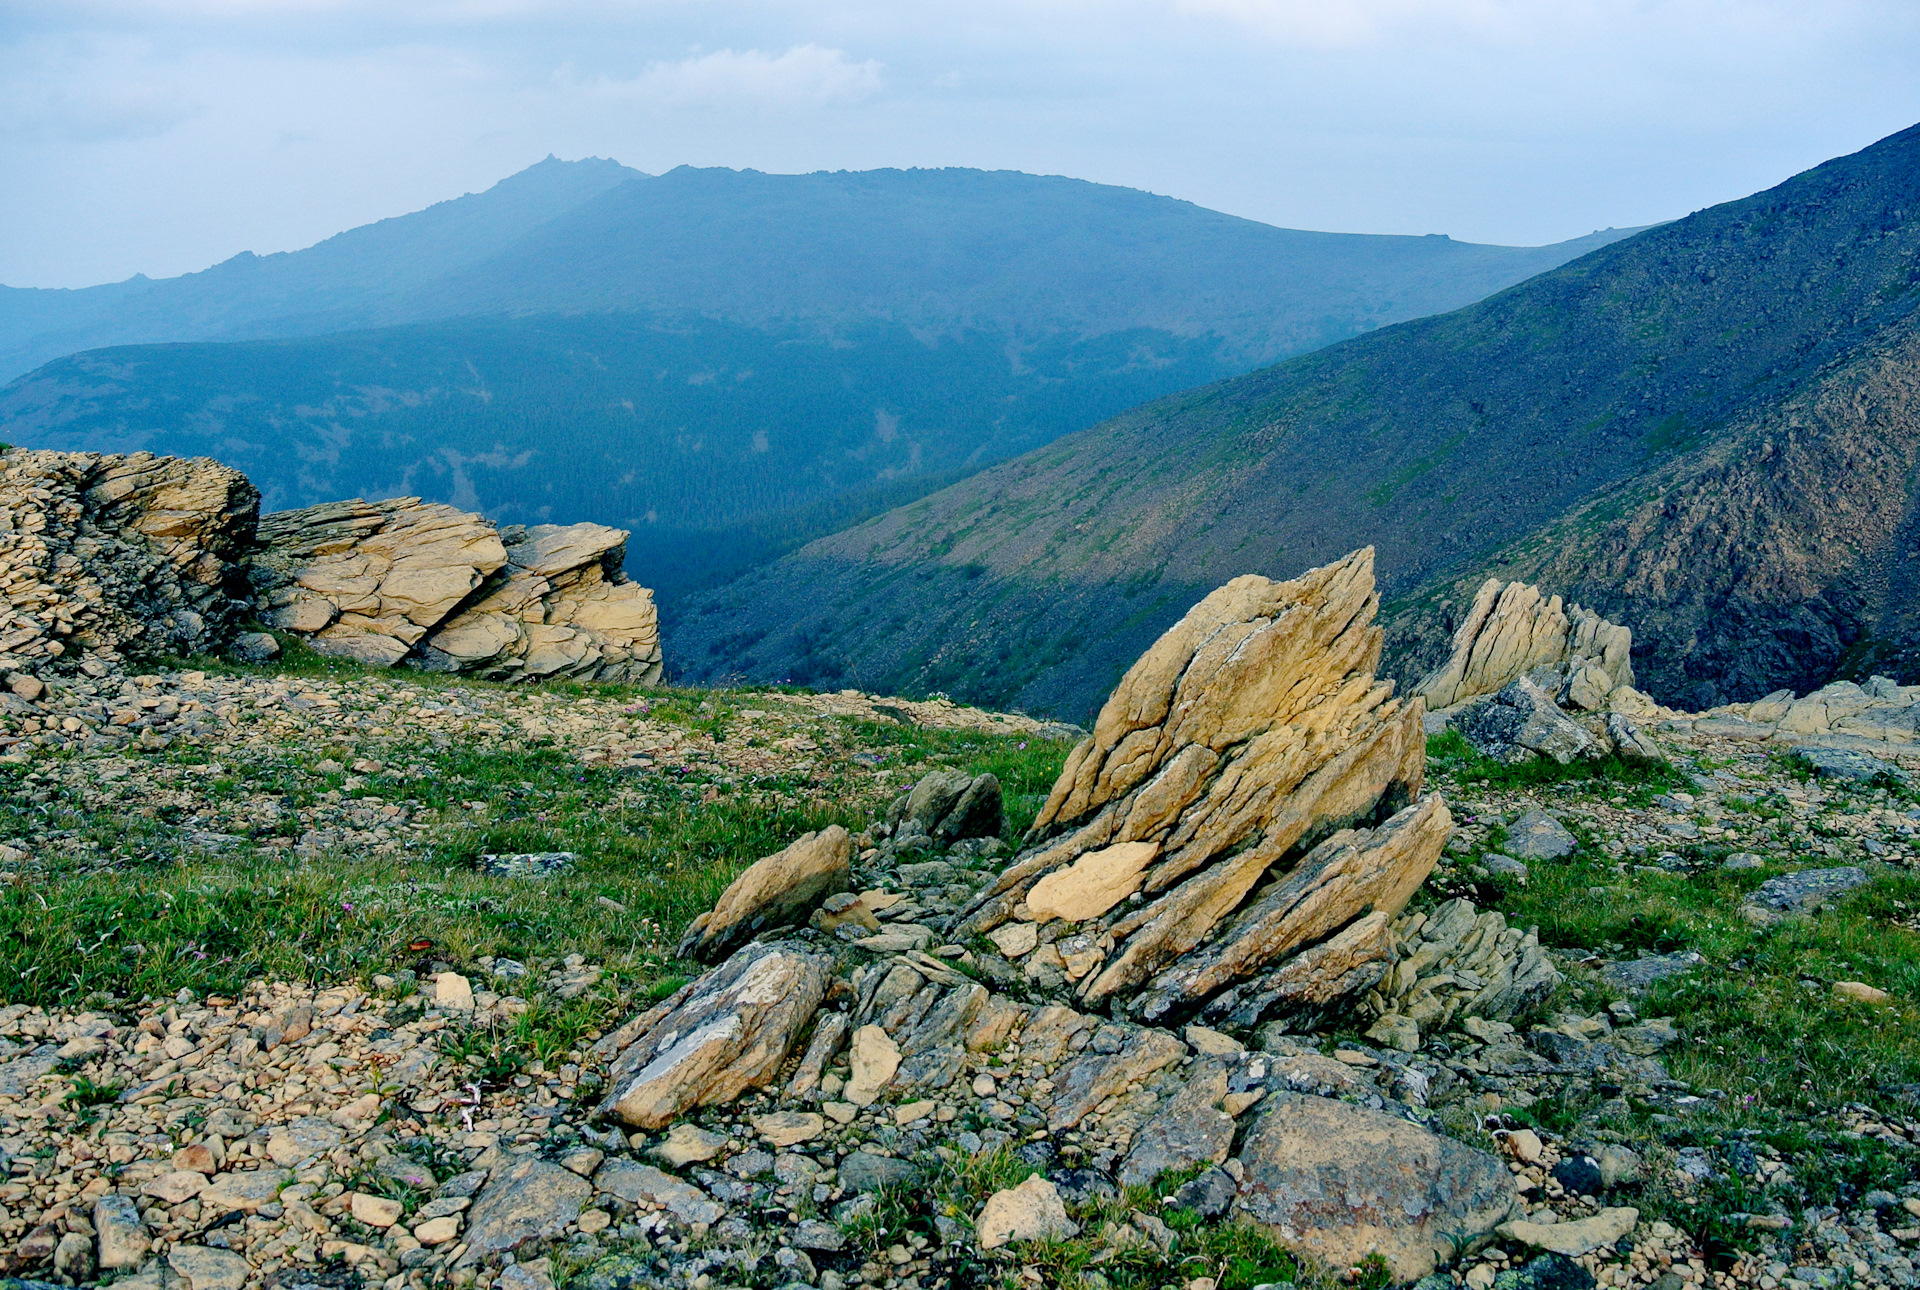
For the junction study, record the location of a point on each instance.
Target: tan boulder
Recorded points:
(773, 892)
(716, 1037)
(1249, 750)
(875, 1059)
(1033, 1211)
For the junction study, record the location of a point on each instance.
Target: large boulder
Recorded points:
(1456, 961)
(1338, 1182)
(1250, 795)
(1520, 723)
(441, 588)
(714, 1038)
(109, 556)
(773, 892)
(1512, 630)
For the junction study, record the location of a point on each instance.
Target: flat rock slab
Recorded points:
(209, 1269)
(1189, 1129)
(1791, 892)
(525, 1201)
(247, 1190)
(1538, 836)
(1840, 763)
(1092, 1078)
(646, 1185)
(1339, 1182)
(773, 892)
(862, 1171)
(1033, 1211)
(1639, 974)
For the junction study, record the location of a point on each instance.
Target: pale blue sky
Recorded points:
(160, 136)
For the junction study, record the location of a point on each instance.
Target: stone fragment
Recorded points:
(207, 1269)
(687, 1144)
(197, 1158)
(1860, 992)
(1211, 1043)
(452, 992)
(632, 1181)
(1093, 1077)
(173, 1188)
(1339, 1181)
(1520, 723)
(1795, 893)
(773, 892)
(1629, 740)
(524, 1201)
(245, 1190)
(875, 1059)
(121, 1236)
(1575, 1238)
(253, 647)
(862, 1171)
(1033, 1211)
(1015, 939)
(375, 1211)
(1639, 974)
(829, 1031)
(1396, 1031)
(1209, 1194)
(1093, 884)
(437, 1231)
(1539, 836)
(297, 1140)
(788, 1128)
(812, 1234)
(1842, 763)
(716, 1037)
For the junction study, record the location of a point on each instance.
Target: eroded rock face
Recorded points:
(1339, 1182)
(1523, 722)
(106, 556)
(1512, 630)
(1250, 745)
(1455, 962)
(715, 1037)
(405, 580)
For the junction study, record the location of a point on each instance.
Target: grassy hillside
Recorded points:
(1443, 442)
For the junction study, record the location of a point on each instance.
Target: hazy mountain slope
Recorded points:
(1439, 441)
(718, 443)
(347, 280)
(940, 249)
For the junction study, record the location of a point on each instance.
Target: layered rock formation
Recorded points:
(1512, 630)
(103, 556)
(1250, 745)
(406, 580)
(1454, 962)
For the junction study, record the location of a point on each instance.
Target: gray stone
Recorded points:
(1084, 1186)
(1841, 763)
(527, 864)
(772, 892)
(1548, 1272)
(466, 1184)
(73, 1259)
(1209, 1195)
(1520, 723)
(1504, 866)
(1538, 836)
(1794, 892)
(1189, 1129)
(253, 647)
(1339, 1182)
(1740, 860)
(1639, 974)
(1629, 741)
(862, 1171)
(525, 1201)
(813, 1234)
(632, 1181)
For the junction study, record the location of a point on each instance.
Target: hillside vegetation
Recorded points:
(1705, 430)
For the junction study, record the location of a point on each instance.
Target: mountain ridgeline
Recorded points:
(1708, 430)
(728, 363)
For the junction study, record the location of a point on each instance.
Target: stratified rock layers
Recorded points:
(1250, 793)
(406, 580)
(105, 556)
(1512, 630)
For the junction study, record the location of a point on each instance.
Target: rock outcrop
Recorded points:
(780, 889)
(1512, 630)
(1455, 962)
(406, 580)
(1248, 799)
(105, 556)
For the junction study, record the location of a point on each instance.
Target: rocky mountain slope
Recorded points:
(725, 363)
(1659, 424)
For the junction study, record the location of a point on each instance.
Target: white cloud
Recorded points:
(804, 76)
(95, 94)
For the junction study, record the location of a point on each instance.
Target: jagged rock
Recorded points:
(773, 892)
(1251, 731)
(645, 1185)
(947, 806)
(407, 580)
(715, 1037)
(106, 556)
(1033, 1211)
(1520, 723)
(1512, 631)
(1628, 740)
(1456, 962)
(1339, 1182)
(1189, 1129)
(687, 1144)
(1537, 835)
(122, 1236)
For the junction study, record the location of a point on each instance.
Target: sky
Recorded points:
(161, 136)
